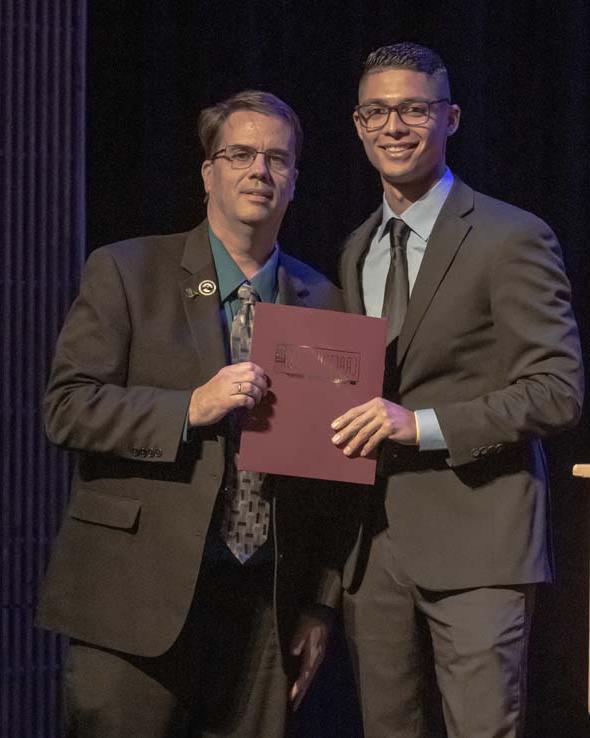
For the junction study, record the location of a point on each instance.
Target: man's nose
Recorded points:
(394, 123)
(259, 166)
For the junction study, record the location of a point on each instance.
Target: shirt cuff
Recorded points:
(321, 612)
(186, 429)
(430, 437)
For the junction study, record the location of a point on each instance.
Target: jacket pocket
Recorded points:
(92, 506)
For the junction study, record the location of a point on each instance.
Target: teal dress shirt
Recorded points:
(230, 277)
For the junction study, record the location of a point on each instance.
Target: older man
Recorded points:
(169, 563)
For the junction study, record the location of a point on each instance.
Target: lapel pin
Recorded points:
(205, 288)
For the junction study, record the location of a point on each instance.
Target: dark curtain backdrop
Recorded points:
(519, 71)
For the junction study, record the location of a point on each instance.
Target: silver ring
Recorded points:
(239, 388)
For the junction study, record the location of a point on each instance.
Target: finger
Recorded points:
(364, 436)
(248, 388)
(258, 380)
(300, 689)
(355, 426)
(244, 401)
(297, 647)
(348, 416)
(311, 660)
(374, 441)
(247, 368)
(293, 694)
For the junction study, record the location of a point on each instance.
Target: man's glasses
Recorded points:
(242, 157)
(411, 112)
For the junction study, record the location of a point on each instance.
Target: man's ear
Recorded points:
(206, 173)
(357, 125)
(292, 193)
(453, 120)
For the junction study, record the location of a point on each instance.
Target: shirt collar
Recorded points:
(230, 276)
(422, 214)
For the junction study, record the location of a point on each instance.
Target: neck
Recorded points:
(248, 246)
(400, 195)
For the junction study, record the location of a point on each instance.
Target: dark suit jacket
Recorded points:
(132, 349)
(490, 342)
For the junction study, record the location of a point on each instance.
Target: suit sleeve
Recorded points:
(538, 344)
(88, 405)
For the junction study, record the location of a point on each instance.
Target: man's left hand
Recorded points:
(309, 642)
(365, 426)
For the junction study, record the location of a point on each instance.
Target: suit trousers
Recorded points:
(478, 639)
(223, 675)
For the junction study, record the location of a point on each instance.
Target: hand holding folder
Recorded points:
(320, 363)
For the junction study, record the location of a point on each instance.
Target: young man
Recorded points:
(197, 598)
(483, 362)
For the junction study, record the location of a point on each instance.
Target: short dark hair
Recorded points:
(211, 119)
(406, 55)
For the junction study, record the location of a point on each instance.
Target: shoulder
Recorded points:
(322, 291)
(148, 266)
(300, 270)
(142, 252)
(363, 231)
(505, 234)
(495, 215)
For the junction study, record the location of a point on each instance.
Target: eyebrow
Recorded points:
(282, 152)
(385, 103)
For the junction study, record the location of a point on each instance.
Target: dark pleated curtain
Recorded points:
(42, 202)
(520, 73)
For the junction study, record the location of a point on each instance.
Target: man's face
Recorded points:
(407, 155)
(256, 195)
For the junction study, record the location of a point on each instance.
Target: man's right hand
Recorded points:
(236, 385)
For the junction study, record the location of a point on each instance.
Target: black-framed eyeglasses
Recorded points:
(242, 157)
(373, 116)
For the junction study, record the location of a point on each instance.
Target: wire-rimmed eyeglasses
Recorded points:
(373, 116)
(242, 157)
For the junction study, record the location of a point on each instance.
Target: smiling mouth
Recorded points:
(397, 149)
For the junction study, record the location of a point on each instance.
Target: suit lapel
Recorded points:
(447, 236)
(352, 260)
(292, 289)
(202, 307)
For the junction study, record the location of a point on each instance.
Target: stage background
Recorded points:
(519, 72)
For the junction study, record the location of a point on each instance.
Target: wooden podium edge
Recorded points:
(583, 470)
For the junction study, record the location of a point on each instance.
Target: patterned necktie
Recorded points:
(246, 516)
(396, 296)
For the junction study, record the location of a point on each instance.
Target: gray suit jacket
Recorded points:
(137, 340)
(490, 342)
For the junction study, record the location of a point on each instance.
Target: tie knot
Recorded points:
(398, 232)
(247, 293)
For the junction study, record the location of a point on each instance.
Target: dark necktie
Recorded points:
(396, 296)
(246, 514)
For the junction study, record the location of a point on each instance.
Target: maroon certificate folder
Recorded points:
(320, 363)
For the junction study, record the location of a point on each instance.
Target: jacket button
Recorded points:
(475, 452)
